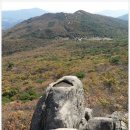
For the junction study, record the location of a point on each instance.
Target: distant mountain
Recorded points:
(113, 13)
(11, 18)
(124, 17)
(55, 25)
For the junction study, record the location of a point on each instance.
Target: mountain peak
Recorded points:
(80, 24)
(80, 12)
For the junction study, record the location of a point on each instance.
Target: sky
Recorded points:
(66, 5)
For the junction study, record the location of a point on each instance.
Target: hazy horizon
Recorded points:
(65, 6)
(123, 10)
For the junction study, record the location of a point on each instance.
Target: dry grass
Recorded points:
(105, 83)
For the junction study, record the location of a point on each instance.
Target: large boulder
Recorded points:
(63, 106)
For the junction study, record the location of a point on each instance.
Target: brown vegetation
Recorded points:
(101, 65)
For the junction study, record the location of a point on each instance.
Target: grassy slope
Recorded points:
(101, 65)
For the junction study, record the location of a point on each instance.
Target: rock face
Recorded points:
(62, 108)
(37, 116)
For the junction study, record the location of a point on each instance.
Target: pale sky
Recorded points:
(66, 5)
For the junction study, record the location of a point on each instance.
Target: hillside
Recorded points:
(11, 18)
(124, 17)
(40, 50)
(102, 66)
(53, 26)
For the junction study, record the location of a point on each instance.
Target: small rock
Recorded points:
(64, 129)
(101, 123)
(121, 119)
(88, 113)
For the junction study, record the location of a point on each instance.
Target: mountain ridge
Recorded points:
(80, 18)
(79, 24)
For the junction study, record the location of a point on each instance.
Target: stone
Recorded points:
(87, 116)
(101, 123)
(120, 115)
(88, 113)
(63, 106)
(121, 119)
(64, 129)
(83, 124)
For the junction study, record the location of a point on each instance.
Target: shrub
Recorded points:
(30, 94)
(49, 34)
(10, 93)
(104, 102)
(51, 24)
(91, 70)
(115, 59)
(80, 75)
(39, 81)
(10, 65)
(5, 100)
